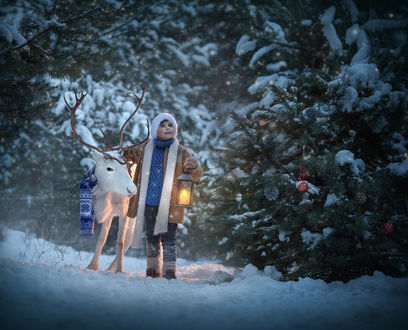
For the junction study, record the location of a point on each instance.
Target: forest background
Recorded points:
(265, 93)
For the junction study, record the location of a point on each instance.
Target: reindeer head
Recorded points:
(110, 168)
(113, 176)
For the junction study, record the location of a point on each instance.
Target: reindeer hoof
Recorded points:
(115, 270)
(93, 267)
(112, 269)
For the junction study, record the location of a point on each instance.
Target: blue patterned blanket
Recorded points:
(86, 211)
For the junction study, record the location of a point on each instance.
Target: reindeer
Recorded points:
(113, 191)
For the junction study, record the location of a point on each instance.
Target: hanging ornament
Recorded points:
(361, 197)
(302, 174)
(302, 186)
(388, 227)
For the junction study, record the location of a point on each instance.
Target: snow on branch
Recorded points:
(245, 45)
(259, 53)
(400, 169)
(329, 30)
(351, 6)
(344, 157)
(11, 33)
(274, 79)
(180, 55)
(23, 43)
(276, 30)
(311, 239)
(375, 25)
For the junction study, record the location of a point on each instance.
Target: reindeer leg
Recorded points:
(128, 237)
(129, 233)
(94, 265)
(117, 264)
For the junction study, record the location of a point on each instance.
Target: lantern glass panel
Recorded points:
(185, 190)
(185, 193)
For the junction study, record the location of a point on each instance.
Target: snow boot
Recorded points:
(170, 274)
(150, 272)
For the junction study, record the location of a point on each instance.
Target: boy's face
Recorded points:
(165, 131)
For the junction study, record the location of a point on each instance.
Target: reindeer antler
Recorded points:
(140, 100)
(73, 109)
(147, 137)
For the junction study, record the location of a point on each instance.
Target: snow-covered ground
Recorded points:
(45, 286)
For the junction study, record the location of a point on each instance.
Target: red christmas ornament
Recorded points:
(302, 174)
(303, 187)
(388, 227)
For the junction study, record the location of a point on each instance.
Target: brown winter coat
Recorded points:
(136, 155)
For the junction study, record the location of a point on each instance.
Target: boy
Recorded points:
(160, 161)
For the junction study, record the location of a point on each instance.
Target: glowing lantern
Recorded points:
(185, 188)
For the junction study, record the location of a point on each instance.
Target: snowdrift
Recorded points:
(47, 286)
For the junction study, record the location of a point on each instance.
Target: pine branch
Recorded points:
(301, 48)
(113, 29)
(48, 28)
(47, 55)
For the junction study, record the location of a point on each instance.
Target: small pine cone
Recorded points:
(361, 197)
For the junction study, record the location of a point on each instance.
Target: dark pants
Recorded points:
(167, 240)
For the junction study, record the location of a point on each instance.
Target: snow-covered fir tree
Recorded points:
(143, 44)
(326, 107)
(42, 42)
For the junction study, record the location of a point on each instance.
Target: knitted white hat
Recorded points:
(158, 119)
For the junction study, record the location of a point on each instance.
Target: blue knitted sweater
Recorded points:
(154, 188)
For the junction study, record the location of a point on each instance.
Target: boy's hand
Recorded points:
(190, 163)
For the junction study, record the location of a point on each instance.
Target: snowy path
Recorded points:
(50, 288)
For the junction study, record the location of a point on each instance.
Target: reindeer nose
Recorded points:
(131, 190)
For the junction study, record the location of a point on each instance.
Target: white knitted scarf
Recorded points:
(164, 207)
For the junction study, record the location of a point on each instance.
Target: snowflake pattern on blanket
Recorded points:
(86, 211)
